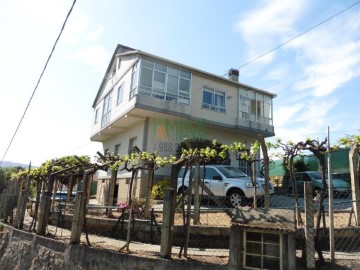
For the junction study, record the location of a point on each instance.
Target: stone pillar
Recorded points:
(309, 226)
(355, 189)
(78, 218)
(167, 224)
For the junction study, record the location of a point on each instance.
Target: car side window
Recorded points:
(211, 173)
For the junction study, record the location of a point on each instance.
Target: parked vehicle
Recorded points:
(227, 181)
(340, 187)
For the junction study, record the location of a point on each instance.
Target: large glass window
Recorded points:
(255, 107)
(262, 250)
(106, 110)
(164, 82)
(213, 100)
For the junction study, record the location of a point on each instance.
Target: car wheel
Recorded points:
(237, 198)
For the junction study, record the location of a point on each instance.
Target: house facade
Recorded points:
(154, 103)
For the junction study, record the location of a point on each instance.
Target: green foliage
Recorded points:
(300, 165)
(211, 151)
(157, 191)
(1, 227)
(6, 175)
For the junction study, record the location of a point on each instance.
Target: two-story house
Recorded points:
(154, 103)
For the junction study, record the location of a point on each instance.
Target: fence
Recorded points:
(205, 240)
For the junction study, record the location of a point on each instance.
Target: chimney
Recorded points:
(234, 74)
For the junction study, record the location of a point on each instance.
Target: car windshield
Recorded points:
(231, 172)
(316, 175)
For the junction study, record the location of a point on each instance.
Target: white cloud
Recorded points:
(95, 34)
(94, 55)
(329, 56)
(264, 28)
(284, 115)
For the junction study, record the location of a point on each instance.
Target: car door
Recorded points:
(215, 180)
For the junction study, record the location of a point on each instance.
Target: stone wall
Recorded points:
(23, 250)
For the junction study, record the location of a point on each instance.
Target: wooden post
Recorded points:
(45, 203)
(167, 224)
(309, 226)
(78, 218)
(355, 183)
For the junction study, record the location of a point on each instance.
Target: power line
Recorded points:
(38, 82)
(295, 37)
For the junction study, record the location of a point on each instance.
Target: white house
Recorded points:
(154, 103)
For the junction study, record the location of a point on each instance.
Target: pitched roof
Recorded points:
(265, 219)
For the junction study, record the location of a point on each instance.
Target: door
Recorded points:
(216, 181)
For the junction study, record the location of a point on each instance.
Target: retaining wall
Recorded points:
(23, 250)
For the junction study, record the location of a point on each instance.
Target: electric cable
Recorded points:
(38, 82)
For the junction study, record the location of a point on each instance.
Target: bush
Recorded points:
(157, 191)
(138, 206)
(1, 227)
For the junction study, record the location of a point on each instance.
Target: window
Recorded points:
(213, 100)
(262, 250)
(244, 167)
(163, 82)
(97, 115)
(120, 94)
(132, 143)
(117, 149)
(255, 107)
(106, 110)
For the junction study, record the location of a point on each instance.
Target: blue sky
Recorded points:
(315, 77)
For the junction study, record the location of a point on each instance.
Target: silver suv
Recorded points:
(227, 181)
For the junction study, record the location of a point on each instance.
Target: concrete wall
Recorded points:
(23, 250)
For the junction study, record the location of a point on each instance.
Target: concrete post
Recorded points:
(110, 201)
(196, 217)
(21, 206)
(167, 224)
(236, 248)
(78, 218)
(44, 209)
(11, 198)
(3, 203)
(309, 226)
